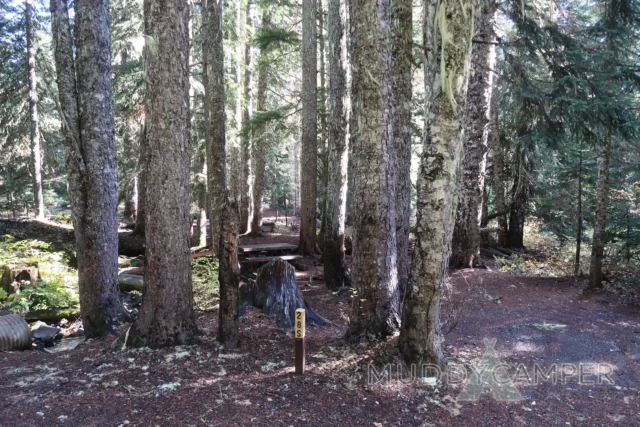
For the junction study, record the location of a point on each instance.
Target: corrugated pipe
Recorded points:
(15, 333)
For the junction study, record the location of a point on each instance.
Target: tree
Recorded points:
(448, 33)
(401, 68)
(142, 183)
(465, 246)
(336, 198)
(498, 180)
(260, 140)
(309, 129)
(36, 154)
(166, 316)
(90, 153)
(376, 305)
(243, 78)
(216, 135)
(618, 17)
(229, 276)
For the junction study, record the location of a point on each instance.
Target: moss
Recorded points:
(58, 288)
(204, 278)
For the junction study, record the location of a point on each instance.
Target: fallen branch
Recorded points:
(495, 215)
(488, 230)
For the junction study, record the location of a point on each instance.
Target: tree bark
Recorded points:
(242, 114)
(376, 306)
(166, 316)
(335, 270)
(465, 246)
(216, 162)
(446, 68)
(206, 112)
(36, 152)
(309, 124)
(576, 265)
(600, 224)
(260, 140)
(401, 69)
(90, 152)
(142, 183)
(323, 171)
(229, 276)
(497, 180)
(518, 204)
(131, 202)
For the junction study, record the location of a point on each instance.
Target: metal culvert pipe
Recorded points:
(15, 333)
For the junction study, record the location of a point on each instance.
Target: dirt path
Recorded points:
(534, 320)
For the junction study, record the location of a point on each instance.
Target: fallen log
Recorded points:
(276, 292)
(490, 252)
(130, 282)
(488, 230)
(495, 215)
(61, 237)
(53, 315)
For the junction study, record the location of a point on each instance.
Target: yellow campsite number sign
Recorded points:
(300, 326)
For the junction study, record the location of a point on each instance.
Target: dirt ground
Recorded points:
(535, 320)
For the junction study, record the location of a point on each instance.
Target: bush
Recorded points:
(43, 296)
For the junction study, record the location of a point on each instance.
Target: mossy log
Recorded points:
(61, 238)
(276, 292)
(53, 315)
(130, 282)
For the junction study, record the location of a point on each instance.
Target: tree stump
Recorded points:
(277, 294)
(13, 276)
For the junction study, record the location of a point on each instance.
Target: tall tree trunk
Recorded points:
(576, 265)
(497, 180)
(376, 306)
(242, 101)
(166, 316)
(446, 67)
(229, 276)
(142, 182)
(323, 171)
(517, 213)
(465, 246)
(216, 162)
(599, 227)
(401, 69)
(336, 199)
(36, 154)
(131, 202)
(90, 151)
(260, 140)
(203, 203)
(205, 41)
(309, 138)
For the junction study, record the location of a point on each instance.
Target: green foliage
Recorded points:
(204, 278)
(272, 38)
(44, 296)
(63, 219)
(58, 287)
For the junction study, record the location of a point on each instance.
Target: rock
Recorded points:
(44, 333)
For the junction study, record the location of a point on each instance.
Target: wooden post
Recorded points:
(299, 337)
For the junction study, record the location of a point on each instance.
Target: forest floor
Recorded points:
(536, 321)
